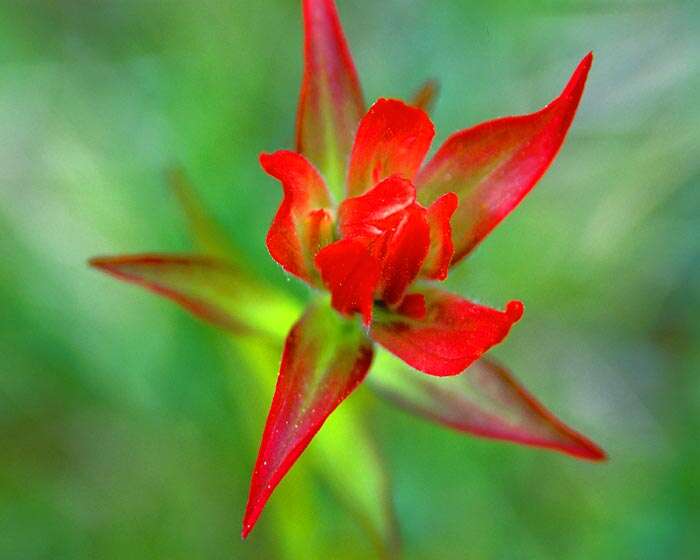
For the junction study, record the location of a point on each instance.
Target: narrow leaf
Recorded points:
(426, 96)
(485, 401)
(257, 301)
(451, 335)
(206, 233)
(209, 288)
(331, 103)
(325, 358)
(492, 166)
(393, 139)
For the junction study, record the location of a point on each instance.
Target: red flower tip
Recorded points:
(247, 528)
(574, 88)
(264, 159)
(588, 451)
(514, 310)
(99, 262)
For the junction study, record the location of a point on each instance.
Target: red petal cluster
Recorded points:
(395, 224)
(386, 236)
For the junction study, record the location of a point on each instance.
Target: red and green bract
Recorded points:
(365, 218)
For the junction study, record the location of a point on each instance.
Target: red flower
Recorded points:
(391, 229)
(401, 224)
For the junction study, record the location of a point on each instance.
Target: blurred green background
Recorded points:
(129, 430)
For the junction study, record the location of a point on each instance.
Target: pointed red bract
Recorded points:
(437, 263)
(351, 275)
(453, 333)
(302, 224)
(210, 288)
(331, 103)
(392, 139)
(493, 166)
(485, 401)
(325, 358)
(204, 286)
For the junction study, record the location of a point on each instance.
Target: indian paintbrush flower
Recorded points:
(366, 220)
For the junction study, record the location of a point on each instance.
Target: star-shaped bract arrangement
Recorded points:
(365, 219)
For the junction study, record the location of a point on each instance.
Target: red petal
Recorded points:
(437, 263)
(395, 230)
(298, 230)
(453, 334)
(204, 286)
(351, 274)
(378, 210)
(393, 139)
(492, 166)
(324, 360)
(485, 401)
(331, 104)
(405, 254)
